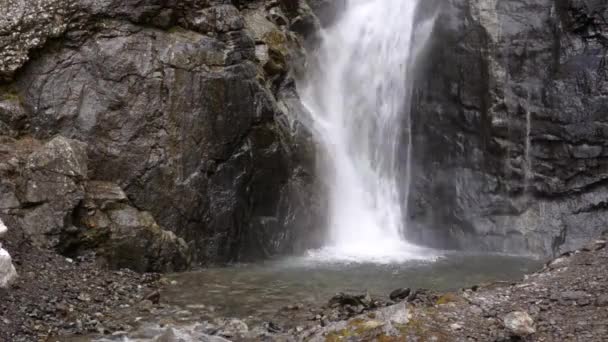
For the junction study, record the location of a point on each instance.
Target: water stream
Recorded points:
(359, 100)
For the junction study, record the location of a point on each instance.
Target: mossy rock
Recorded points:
(277, 41)
(449, 297)
(420, 328)
(9, 93)
(359, 328)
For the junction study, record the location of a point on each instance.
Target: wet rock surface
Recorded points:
(509, 133)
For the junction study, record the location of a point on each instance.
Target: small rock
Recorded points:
(344, 299)
(153, 296)
(583, 302)
(235, 327)
(602, 301)
(519, 323)
(400, 294)
(167, 336)
(83, 297)
(272, 327)
(573, 295)
(476, 310)
(455, 326)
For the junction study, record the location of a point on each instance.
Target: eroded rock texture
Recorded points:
(186, 109)
(510, 126)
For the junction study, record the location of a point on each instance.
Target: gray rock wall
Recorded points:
(183, 105)
(510, 131)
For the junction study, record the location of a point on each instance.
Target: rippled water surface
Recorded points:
(256, 293)
(259, 290)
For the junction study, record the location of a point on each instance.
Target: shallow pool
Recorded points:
(258, 291)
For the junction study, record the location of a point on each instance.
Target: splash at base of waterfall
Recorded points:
(387, 251)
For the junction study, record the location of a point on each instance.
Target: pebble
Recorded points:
(573, 295)
(455, 326)
(602, 300)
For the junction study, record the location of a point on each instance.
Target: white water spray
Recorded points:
(359, 99)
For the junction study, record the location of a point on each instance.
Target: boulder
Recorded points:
(123, 236)
(52, 188)
(400, 294)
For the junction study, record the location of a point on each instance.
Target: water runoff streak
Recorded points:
(359, 100)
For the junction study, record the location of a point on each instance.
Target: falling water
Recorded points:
(527, 146)
(359, 100)
(528, 167)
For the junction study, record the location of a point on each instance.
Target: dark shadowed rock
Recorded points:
(399, 294)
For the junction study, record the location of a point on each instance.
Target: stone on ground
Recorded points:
(519, 323)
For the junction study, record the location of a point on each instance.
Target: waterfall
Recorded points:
(359, 99)
(528, 161)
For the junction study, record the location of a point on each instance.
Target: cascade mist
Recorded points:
(359, 101)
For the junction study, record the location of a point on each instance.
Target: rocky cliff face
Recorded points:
(510, 126)
(180, 119)
(173, 126)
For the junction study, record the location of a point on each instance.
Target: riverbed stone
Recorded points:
(519, 323)
(400, 294)
(602, 300)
